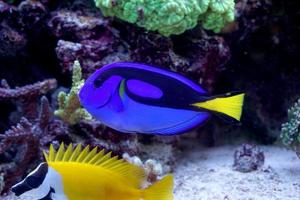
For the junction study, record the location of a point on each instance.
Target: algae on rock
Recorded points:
(290, 131)
(171, 16)
(69, 107)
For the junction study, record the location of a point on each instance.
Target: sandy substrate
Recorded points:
(206, 174)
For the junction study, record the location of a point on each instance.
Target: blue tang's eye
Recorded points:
(98, 82)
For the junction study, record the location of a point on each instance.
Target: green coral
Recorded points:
(69, 108)
(171, 16)
(290, 131)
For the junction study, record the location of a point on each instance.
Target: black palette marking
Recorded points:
(176, 94)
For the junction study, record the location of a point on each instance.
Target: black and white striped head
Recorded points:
(38, 184)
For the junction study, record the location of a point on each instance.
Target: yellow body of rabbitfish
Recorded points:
(92, 175)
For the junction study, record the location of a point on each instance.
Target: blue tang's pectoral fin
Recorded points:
(116, 102)
(143, 89)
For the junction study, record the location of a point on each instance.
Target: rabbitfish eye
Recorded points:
(33, 182)
(36, 179)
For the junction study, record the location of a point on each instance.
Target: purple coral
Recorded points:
(32, 12)
(28, 91)
(248, 158)
(22, 145)
(209, 56)
(18, 159)
(15, 24)
(76, 26)
(12, 41)
(96, 42)
(85, 37)
(27, 96)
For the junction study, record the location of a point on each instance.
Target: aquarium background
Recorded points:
(257, 53)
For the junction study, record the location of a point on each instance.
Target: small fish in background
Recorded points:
(137, 98)
(76, 174)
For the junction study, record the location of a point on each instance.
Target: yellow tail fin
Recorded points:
(229, 105)
(162, 190)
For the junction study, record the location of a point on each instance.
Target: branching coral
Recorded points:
(70, 110)
(21, 146)
(22, 135)
(27, 96)
(171, 16)
(27, 91)
(290, 131)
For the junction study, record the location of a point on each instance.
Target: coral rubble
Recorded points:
(248, 158)
(152, 167)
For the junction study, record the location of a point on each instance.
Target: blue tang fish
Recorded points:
(137, 98)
